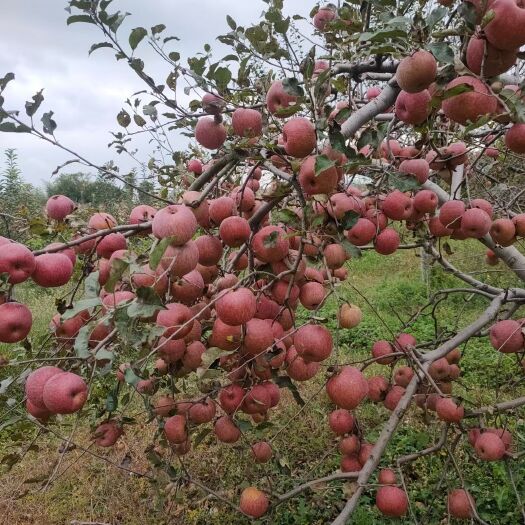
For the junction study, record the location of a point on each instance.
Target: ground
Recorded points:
(390, 291)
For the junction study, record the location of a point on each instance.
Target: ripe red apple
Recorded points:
(195, 165)
(416, 72)
(210, 249)
(297, 368)
(392, 501)
(181, 260)
(202, 412)
(270, 244)
(449, 411)
(58, 207)
(175, 320)
(101, 221)
(35, 383)
(176, 222)
(503, 231)
(506, 336)
(495, 61)
(381, 350)
(387, 477)
(15, 322)
(142, 213)
(460, 504)
(515, 138)
(349, 315)
(413, 108)
(451, 213)
(393, 397)
(209, 133)
(312, 295)
(350, 464)
(378, 387)
(349, 446)
(226, 430)
(417, 167)
(475, 223)
(347, 388)
(234, 231)
(236, 307)
(489, 447)
(253, 502)
(425, 201)
(175, 429)
(64, 393)
(506, 29)
(362, 232)
(313, 342)
(107, 433)
(17, 261)
(247, 122)
(324, 182)
(387, 242)
(278, 98)
(469, 105)
(261, 451)
(341, 421)
(299, 137)
(324, 16)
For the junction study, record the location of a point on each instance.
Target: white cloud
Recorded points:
(86, 93)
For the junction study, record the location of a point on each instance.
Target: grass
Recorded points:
(389, 291)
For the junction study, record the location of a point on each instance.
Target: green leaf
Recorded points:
(118, 267)
(271, 240)
(292, 87)
(155, 30)
(350, 249)
(5, 80)
(123, 118)
(130, 377)
(436, 16)
(175, 56)
(201, 436)
(80, 306)
(468, 12)
(157, 252)
(231, 22)
(286, 382)
(91, 285)
(48, 123)
(442, 51)
(349, 219)
(11, 127)
(402, 182)
(146, 304)
(104, 355)
(112, 400)
(32, 107)
(322, 163)
(222, 76)
(79, 18)
(287, 217)
(457, 90)
(81, 345)
(100, 45)
(288, 111)
(136, 36)
(139, 121)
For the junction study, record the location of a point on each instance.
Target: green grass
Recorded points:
(389, 291)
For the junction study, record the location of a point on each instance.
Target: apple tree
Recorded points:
(381, 126)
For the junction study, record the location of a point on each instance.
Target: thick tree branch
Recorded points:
(367, 112)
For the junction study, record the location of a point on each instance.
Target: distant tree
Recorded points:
(19, 199)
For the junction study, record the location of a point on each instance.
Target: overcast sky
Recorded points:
(86, 93)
